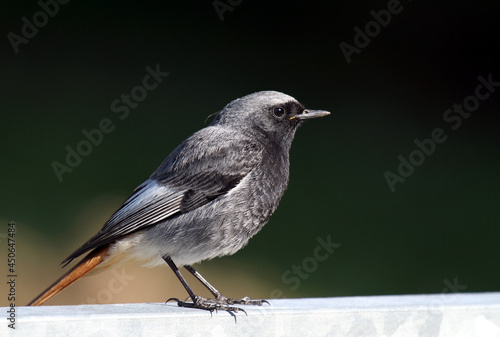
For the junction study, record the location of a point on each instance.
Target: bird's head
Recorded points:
(269, 113)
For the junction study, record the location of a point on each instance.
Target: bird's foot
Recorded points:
(242, 301)
(209, 304)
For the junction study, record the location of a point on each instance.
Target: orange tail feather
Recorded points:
(81, 269)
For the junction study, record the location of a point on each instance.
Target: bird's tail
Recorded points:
(81, 269)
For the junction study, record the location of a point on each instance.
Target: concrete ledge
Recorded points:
(409, 315)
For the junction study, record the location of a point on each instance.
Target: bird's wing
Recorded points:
(201, 169)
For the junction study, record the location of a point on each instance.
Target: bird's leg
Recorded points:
(219, 298)
(198, 302)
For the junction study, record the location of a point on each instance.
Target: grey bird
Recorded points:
(214, 192)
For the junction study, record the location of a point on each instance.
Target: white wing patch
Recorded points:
(150, 204)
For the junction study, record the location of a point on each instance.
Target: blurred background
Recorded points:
(436, 230)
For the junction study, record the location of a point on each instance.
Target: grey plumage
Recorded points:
(215, 191)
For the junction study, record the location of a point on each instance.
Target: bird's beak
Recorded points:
(308, 114)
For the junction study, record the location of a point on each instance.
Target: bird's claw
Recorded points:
(207, 304)
(242, 301)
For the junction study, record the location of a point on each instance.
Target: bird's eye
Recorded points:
(279, 112)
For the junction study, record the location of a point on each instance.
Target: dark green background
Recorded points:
(442, 223)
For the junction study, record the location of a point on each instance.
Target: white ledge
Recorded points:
(408, 315)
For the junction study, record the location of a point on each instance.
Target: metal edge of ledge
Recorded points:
(466, 314)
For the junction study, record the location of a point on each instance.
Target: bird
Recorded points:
(214, 192)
